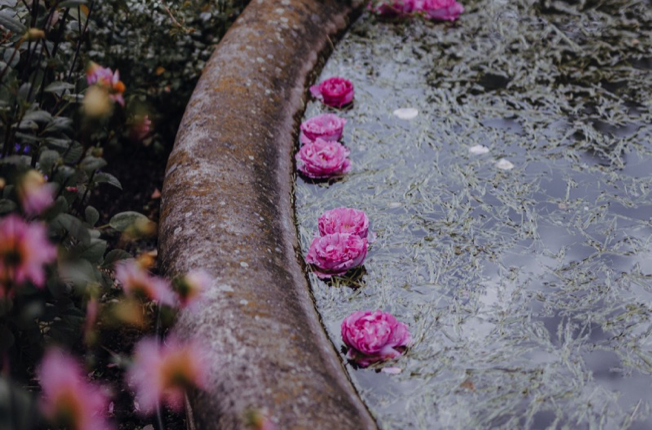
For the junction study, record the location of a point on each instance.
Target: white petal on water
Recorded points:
(391, 370)
(406, 113)
(504, 164)
(478, 149)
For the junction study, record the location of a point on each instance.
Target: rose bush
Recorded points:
(374, 336)
(334, 254)
(335, 92)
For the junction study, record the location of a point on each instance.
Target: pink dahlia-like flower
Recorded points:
(374, 336)
(35, 193)
(106, 78)
(69, 401)
(396, 7)
(334, 254)
(326, 127)
(189, 288)
(24, 250)
(136, 281)
(442, 10)
(323, 159)
(344, 220)
(163, 372)
(335, 92)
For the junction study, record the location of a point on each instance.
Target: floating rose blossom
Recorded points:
(334, 254)
(189, 288)
(136, 281)
(326, 127)
(69, 400)
(396, 7)
(35, 193)
(106, 78)
(24, 250)
(164, 372)
(323, 159)
(335, 92)
(374, 336)
(442, 10)
(344, 220)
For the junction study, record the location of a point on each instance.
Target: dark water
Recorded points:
(528, 291)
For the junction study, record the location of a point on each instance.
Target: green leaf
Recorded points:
(60, 123)
(75, 152)
(114, 256)
(92, 215)
(7, 206)
(123, 220)
(38, 116)
(60, 206)
(91, 164)
(73, 226)
(71, 3)
(48, 159)
(107, 178)
(58, 86)
(9, 21)
(94, 252)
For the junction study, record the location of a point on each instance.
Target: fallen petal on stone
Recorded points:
(504, 164)
(478, 149)
(406, 113)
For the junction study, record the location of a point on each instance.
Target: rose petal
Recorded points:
(504, 164)
(478, 150)
(406, 113)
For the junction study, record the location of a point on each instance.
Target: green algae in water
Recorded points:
(527, 291)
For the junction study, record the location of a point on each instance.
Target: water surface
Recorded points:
(528, 291)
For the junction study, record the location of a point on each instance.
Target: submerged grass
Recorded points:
(528, 291)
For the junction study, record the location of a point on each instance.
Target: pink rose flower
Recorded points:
(68, 399)
(326, 127)
(374, 336)
(335, 92)
(396, 7)
(334, 254)
(24, 250)
(442, 10)
(35, 193)
(344, 220)
(136, 281)
(323, 159)
(191, 287)
(163, 372)
(106, 78)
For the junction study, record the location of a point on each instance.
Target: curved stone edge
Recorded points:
(227, 208)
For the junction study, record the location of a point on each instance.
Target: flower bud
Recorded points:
(34, 34)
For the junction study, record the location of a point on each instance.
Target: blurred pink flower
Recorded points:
(189, 288)
(24, 250)
(68, 399)
(374, 336)
(164, 372)
(334, 254)
(35, 193)
(335, 92)
(396, 7)
(106, 78)
(141, 128)
(327, 126)
(136, 281)
(323, 159)
(344, 220)
(442, 10)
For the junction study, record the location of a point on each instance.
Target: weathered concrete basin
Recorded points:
(227, 208)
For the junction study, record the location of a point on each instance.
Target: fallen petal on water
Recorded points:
(391, 370)
(504, 164)
(406, 113)
(478, 149)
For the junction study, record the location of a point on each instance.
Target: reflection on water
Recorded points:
(528, 291)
